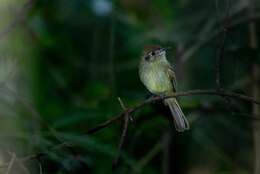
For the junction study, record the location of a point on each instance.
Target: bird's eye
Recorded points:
(147, 58)
(153, 53)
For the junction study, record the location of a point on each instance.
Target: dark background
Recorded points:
(72, 59)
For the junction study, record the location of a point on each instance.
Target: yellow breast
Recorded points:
(155, 78)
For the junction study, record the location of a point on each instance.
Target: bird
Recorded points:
(157, 75)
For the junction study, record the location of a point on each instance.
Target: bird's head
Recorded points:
(153, 53)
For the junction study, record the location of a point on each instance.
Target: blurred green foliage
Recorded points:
(85, 54)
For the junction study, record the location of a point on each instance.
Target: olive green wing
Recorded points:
(172, 77)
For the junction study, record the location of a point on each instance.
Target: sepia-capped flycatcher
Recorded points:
(157, 75)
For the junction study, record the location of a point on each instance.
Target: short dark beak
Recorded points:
(166, 48)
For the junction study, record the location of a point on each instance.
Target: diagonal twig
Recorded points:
(36, 115)
(123, 135)
(40, 167)
(19, 162)
(131, 110)
(221, 50)
(157, 148)
(11, 163)
(215, 33)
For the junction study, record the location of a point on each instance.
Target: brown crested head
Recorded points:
(153, 52)
(149, 48)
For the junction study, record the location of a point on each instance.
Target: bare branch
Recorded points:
(38, 117)
(121, 103)
(123, 135)
(221, 50)
(215, 33)
(255, 75)
(133, 109)
(10, 165)
(122, 140)
(151, 154)
(221, 93)
(40, 168)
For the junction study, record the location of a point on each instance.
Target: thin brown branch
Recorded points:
(121, 103)
(123, 135)
(133, 109)
(38, 155)
(255, 75)
(22, 166)
(104, 124)
(36, 115)
(157, 148)
(121, 142)
(233, 112)
(221, 93)
(221, 49)
(215, 33)
(40, 167)
(11, 163)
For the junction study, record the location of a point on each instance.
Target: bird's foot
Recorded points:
(162, 96)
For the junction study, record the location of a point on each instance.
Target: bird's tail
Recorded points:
(180, 121)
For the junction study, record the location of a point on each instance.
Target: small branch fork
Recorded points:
(127, 117)
(128, 111)
(221, 49)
